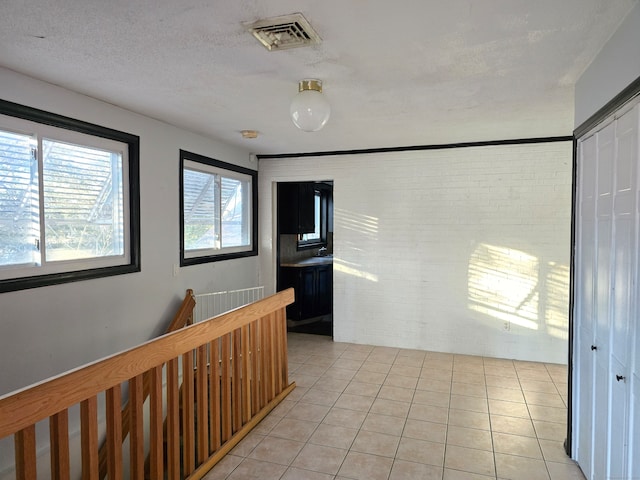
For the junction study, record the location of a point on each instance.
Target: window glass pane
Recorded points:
(83, 202)
(19, 217)
(234, 213)
(200, 212)
(316, 234)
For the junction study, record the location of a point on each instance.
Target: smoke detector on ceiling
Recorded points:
(287, 31)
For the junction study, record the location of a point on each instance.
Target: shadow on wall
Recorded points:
(514, 287)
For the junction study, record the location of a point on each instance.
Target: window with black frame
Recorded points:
(218, 212)
(69, 202)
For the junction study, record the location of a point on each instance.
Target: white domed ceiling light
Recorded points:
(310, 110)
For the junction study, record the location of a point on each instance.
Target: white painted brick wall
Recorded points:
(438, 249)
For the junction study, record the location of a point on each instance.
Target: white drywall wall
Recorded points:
(438, 249)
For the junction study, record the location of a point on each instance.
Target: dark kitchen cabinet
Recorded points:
(296, 207)
(314, 290)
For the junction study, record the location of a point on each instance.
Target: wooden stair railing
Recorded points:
(183, 317)
(247, 376)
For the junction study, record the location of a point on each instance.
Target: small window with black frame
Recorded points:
(218, 210)
(317, 238)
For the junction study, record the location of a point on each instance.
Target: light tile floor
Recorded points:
(365, 412)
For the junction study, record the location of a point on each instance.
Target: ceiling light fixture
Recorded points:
(310, 110)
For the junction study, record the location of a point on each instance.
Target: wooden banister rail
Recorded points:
(234, 371)
(183, 317)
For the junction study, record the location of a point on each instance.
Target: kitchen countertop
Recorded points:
(310, 262)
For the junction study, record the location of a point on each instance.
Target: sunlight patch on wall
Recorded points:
(557, 300)
(344, 267)
(364, 225)
(503, 283)
(362, 235)
(513, 286)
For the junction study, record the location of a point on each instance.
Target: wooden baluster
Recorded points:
(214, 396)
(114, 431)
(255, 369)
(285, 350)
(89, 438)
(264, 361)
(188, 404)
(272, 357)
(237, 381)
(226, 409)
(202, 391)
(59, 441)
(25, 452)
(278, 321)
(173, 421)
(136, 432)
(246, 375)
(156, 460)
(282, 354)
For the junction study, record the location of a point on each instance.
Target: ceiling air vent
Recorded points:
(287, 31)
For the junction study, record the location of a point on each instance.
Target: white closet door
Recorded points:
(624, 261)
(585, 299)
(633, 382)
(604, 213)
(607, 340)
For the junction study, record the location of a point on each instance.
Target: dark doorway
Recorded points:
(305, 254)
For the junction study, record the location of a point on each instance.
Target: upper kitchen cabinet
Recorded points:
(296, 208)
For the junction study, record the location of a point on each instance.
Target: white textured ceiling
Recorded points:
(397, 73)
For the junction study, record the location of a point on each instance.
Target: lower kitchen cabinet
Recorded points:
(314, 290)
